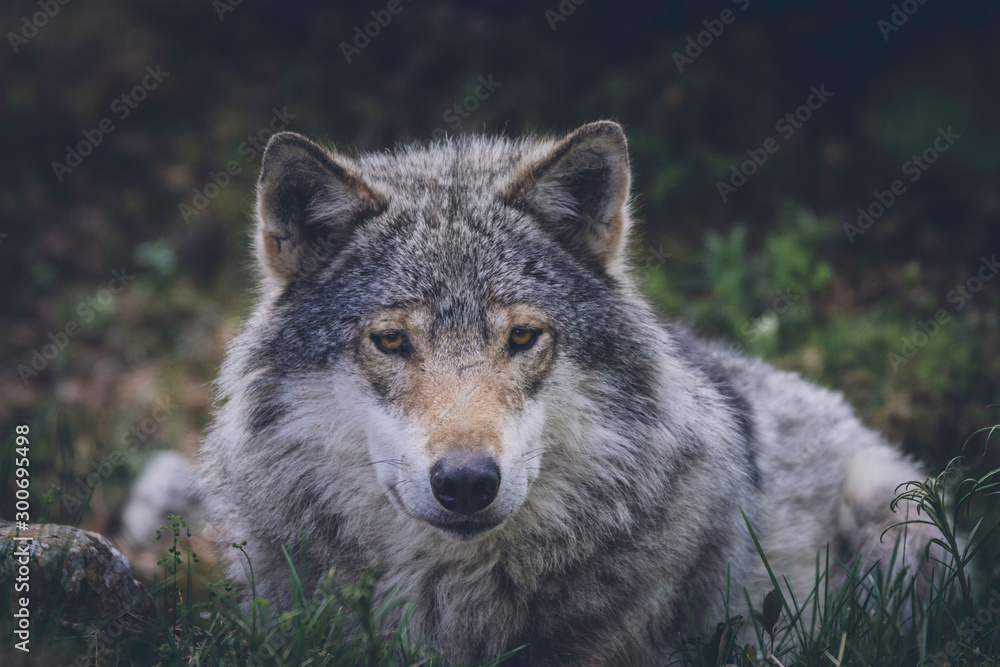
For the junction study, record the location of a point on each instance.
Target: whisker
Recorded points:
(395, 487)
(397, 463)
(533, 454)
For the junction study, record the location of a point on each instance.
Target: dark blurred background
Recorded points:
(770, 268)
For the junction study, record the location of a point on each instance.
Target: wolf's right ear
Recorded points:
(578, 190)
(307, 206)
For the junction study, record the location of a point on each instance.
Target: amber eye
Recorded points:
(521, 338)
(390, 342)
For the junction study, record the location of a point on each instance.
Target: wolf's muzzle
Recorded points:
(465, 481)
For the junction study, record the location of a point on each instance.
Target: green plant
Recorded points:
(931, 500)
(877, 617)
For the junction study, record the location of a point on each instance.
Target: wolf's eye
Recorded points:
(521, 338)
(392, 342)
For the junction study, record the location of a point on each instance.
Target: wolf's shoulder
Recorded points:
(774, 398)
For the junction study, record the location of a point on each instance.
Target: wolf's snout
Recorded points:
(465, 482)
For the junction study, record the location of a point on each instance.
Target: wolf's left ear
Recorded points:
(308, 205)
(579, 191)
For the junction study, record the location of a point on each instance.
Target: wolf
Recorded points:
(451, 374)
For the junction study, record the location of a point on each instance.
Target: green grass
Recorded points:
(877, 618)
(335, 625)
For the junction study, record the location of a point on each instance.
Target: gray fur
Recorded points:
(648, 443)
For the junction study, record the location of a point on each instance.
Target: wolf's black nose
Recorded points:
(465, 481)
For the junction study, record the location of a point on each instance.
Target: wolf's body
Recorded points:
(613, 452)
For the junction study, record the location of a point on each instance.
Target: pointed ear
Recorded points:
(579, 191)
(308, 204)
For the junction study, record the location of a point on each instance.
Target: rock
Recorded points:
(74, 573)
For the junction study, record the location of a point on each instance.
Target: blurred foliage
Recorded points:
(769, 269)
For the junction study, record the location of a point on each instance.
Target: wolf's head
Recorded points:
(438, 290)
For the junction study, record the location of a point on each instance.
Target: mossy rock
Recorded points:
(75, 575)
